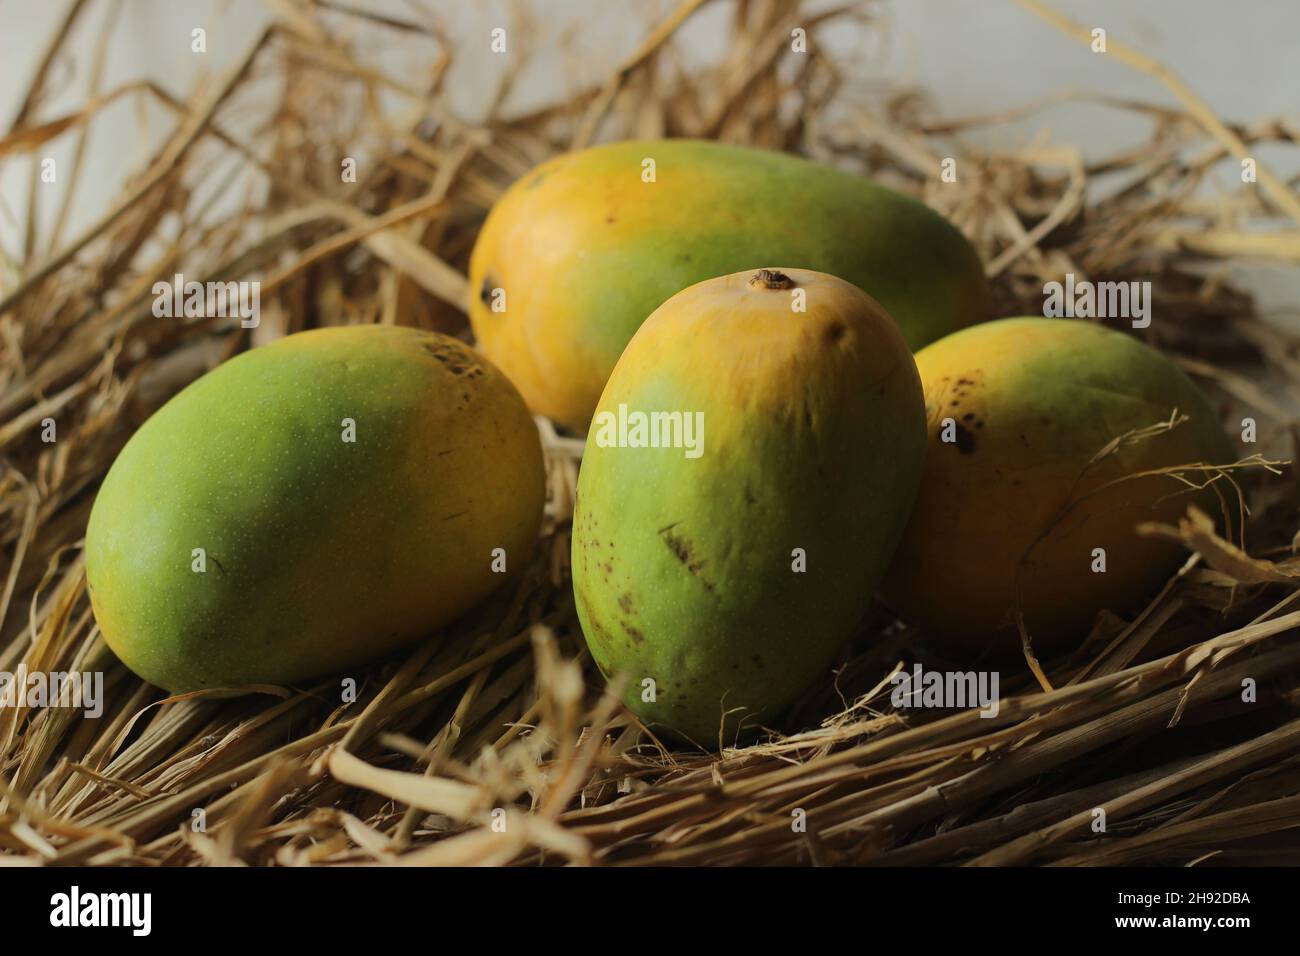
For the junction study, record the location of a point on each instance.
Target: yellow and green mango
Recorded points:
(1020, 508)
(721, 558)
(579, 251)
(310, 505)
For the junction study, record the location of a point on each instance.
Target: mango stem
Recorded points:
(771, 279)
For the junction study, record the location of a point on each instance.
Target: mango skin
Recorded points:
(814, 438)
(321, 554)
(584, 250)
(1035, 400)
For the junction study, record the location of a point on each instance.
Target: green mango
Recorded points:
(722, 570)
(578, 252)
(310, 505)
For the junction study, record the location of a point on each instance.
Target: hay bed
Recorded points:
(503, 712)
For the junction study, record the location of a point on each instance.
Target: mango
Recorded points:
(311, 505)
(721, 558)
(1020, 508)
(579, 251)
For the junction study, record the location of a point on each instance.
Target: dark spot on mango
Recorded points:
(485, 290)
(965, 439)
(834, 332)
(455, 358)
(678, 545)
(633, 633)
(596, 625)
(684, 551)
(625, 602)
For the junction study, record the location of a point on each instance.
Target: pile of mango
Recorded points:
(734, 330)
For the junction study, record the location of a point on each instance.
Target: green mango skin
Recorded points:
(321, 554)
(814, 439)
(584, 250)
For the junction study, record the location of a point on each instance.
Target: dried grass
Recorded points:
(493, 742)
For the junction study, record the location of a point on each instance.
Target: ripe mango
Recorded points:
(729, 569)
(1016, 503)
(579, 251)
(240, 536)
